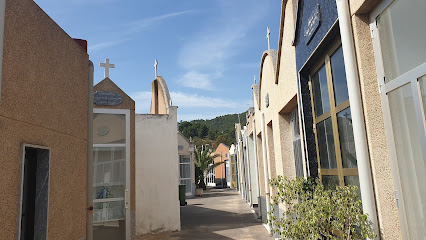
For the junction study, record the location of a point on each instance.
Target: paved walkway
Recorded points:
(219, 214)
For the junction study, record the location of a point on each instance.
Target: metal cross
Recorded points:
(268, 33)
(254, 79)
(107, 66)
(155, 67)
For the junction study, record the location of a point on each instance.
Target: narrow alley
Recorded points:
(218, 214)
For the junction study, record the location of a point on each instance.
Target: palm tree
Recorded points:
(204, 161)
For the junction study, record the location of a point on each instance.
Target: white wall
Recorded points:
(157, 173)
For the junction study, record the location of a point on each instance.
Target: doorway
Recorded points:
(34, 200)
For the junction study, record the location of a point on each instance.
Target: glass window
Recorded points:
(353, 181)
(184, 159)
(402, 32)
(330, 182)
(423, 90)
(346, 135)
(109, 128)
(326, 144)
(333, 130)
(410, 157)
(320, 92)
(339, 77)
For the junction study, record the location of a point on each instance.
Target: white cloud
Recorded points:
(135, 27)
(103, 45)
(212, 49)
(194, 79)
(148, 22)
(191, 101)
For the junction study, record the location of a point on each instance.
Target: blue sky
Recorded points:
(208, 50)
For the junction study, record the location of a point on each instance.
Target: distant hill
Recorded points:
(214, 131)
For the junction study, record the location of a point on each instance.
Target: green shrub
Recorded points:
(315, 213)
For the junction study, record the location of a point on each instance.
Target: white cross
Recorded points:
(268, 33)
(107, 66)
(254, 79)
(155, 67)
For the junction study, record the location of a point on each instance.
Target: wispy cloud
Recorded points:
(185, 100)
(103, 45)
(212, 49)
(136, 26)
(194, 79)
(145, 23)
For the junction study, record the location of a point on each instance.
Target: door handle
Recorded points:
(126, 198)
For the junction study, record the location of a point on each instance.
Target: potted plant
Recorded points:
(204, 162)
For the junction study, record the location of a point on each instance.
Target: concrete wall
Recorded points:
(44, 101)
(157, 173)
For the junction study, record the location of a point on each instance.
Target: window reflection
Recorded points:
(339, 77)
(320, 91)
(326, 144)
(346, 135)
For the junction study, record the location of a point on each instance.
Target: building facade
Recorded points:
(44, 106)
(342, 99)
(186, 164)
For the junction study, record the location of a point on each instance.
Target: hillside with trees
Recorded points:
(214, 131)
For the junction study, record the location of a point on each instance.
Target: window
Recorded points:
(332, 121)
(185, 172)
(297, 147)
(399, 33)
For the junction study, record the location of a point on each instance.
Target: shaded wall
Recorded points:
(44, 101)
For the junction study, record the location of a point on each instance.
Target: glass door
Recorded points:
(399, 34)
(111, 180)
(185, 172)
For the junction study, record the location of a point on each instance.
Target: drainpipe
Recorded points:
(2, 23)
(89, 200)
(360, 137)
(265, 167)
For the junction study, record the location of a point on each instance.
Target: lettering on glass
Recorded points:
(107, 98)
(313, 23)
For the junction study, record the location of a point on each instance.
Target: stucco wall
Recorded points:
(157, 174)
(374, 121)
(44, 101)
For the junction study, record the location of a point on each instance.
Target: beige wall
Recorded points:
(44, 102)
(374, 120)
(157, 173)
(282, 93)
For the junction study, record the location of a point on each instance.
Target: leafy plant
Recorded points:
(315, 213)
(204, 161)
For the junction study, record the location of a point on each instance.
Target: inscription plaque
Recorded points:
(313, 23)
(107, 98)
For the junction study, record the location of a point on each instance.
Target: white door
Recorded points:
(111, 180)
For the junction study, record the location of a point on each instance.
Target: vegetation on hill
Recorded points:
(213, 132)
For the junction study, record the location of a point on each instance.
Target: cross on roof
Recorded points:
(268, 33)
(107, 66)
(254, 79)
(155, 67)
